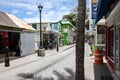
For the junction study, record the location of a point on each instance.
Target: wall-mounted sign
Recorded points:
(94, 1)
(94, 10)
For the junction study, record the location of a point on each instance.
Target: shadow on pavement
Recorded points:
(59, 75)
(101, 72)
(63, 76)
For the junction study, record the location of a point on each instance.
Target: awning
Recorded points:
(102, 9)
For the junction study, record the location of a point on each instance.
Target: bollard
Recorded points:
(6, 57)
(57, 47)
(7, 61)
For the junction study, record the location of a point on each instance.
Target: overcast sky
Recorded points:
(27, 10)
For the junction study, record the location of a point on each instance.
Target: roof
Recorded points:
(67, 22)
(12, 21)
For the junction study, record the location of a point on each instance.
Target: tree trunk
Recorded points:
(80, 40)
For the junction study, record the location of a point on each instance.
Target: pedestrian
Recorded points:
(45, 44)
(55, 43)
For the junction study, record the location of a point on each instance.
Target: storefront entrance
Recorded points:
(10, 40)
(117, 50)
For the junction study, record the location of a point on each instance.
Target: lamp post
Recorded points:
(40, 10)
(41, 51)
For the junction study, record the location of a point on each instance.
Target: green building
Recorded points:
(68, 32)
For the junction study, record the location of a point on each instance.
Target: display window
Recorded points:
(10, 40)
(111, 43)
(117, 48)
(101, 34)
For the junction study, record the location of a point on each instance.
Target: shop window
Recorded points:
(34, 26)
(111, 43)
(117, 47)
(101, 34)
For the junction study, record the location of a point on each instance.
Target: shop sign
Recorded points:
(94, 10)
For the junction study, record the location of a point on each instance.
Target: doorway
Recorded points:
(14, 43)
(117, 50)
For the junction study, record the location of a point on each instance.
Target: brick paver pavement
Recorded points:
(92, 71)
(31, 58)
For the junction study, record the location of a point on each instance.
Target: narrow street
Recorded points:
(58, 66)
(54, 66)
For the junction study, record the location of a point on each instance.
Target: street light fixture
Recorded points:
(41, 51)
(40, 10)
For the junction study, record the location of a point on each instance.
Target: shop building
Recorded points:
(99, 36)
(50, 33)
(15, 35)
(68, 32)
(110, 9)
(97, 32)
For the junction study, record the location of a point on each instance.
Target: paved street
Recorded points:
(54, 66)
(37, 66)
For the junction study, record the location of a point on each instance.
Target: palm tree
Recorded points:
(80, 40)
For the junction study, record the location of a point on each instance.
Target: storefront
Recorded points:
(111, 10)
(16, 36)
(99, 37)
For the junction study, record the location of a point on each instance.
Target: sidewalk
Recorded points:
(31, 58)
(94, 71)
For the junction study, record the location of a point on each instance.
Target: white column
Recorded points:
(90, 16)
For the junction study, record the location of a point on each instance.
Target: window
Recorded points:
(34, 26)
(65, 30)
(44, 28)
(111, 43)
(101, 34)
(117, 55)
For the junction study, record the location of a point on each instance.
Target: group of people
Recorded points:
(50, 44)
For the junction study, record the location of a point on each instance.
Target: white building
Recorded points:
(16, 35)
(50, 30)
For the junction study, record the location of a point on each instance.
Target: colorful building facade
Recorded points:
(50, 33)
(68, 32)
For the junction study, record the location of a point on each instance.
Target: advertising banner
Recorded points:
(94, 10)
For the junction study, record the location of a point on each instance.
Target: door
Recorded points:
(117, 51)
(117, 47)
(27, 43)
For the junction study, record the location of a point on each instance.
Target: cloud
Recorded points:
(32, 7)
(47, 17)
(53, 10)
(48, 5)
(29, 13)
(14, 11)
(31, 20)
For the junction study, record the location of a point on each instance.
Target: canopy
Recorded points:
(102, 9)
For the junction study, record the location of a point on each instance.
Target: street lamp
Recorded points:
(41, 51)
(40, 10)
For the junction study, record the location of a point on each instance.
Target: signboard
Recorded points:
(94, 1)
(94, 10)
